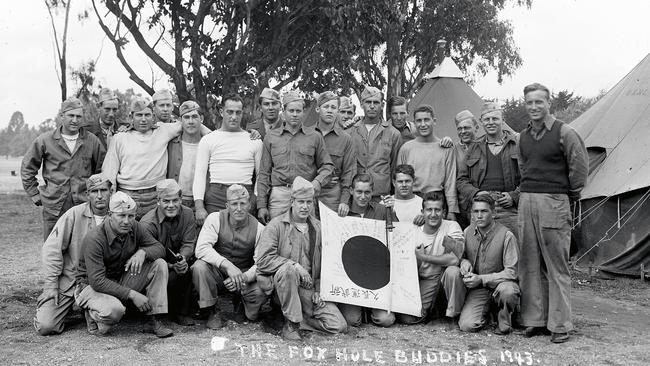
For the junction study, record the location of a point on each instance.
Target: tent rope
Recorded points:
(637, 205)
(589, 211)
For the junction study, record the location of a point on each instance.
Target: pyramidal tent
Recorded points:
(614, 214)
(448, 93)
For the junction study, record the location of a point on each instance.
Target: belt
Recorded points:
(225, 186)
(141, 191)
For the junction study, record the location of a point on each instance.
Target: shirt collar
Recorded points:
(286, 217)
(110, 233)
(548, 123)
(371, 207)
(487, 235)
(337, 129)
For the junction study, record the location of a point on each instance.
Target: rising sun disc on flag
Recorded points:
(366, 261)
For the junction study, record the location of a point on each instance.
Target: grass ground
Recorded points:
(612, 318)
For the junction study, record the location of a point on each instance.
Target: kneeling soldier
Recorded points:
(225, 257)
(61, 253)
(489, 269)
(121, 259)
(290, 254)
(174, 226)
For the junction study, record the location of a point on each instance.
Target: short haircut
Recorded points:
(395, 101)
(425, 108)
(404, 169)
(232, 97)
(484, 198)
(537, 86)
(435, 197)
(363, 178)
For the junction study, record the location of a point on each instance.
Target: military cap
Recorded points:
(167, 187)
(188, 106)
(105, 95)
(325, 97)
(489, 107)
(162, 94)
(370, 91)
(236, 191)
(139, 103)
(121, 202)
(70, 104)
(97, 180)
(464, 115)
(302, 187)
(271, 94)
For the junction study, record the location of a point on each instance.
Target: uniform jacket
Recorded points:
(472, 173)
(64, 171)
(63, 248)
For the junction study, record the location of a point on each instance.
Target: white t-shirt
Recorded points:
(99, 219)
(407, 210)
(70, 141)
(231, 157)
(186, 175)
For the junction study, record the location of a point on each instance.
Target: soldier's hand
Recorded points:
(446, 142)
(344, 209)
(317, 301)
(317, 187)
(134, 264)
(304, 278)
(419, 220)
(472, 280)
(200, 215)
(263, 215)
(234, 280)
(37, 200)
(47, 294)
(180, 267)
(255, 135)
(388, 201)
(419, 252)
(505, 200)
(140, 301)
(465, 267)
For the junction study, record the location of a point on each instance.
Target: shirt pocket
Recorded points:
(305, 158)
(555, 212)
(337, 160)
(279, 156)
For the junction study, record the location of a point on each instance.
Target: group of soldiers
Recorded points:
(161, 214)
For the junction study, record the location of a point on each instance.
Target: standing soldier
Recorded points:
(290, 151)
(107, 125)
(182, 150)
(347, 111)
(163, 106)
(554, 168)
(271, 118)
(336, 194)
(466, 126)
(492, 167)
(376, 143)
(68, 156)
(397, 108)
(230, 157)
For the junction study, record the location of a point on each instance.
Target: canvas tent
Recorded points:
(448, 93)
(614, 214)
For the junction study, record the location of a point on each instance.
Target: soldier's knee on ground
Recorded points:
(383, 318)
(470, 323)
(352, 314)
(46, 325)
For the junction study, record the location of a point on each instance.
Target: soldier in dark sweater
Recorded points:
(554, 168)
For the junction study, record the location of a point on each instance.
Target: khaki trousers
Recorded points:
(455, 291)
(208, 280)
(279, 200)
(146, 201)
(297, 305)
(49, 317)
(544, 277)
(108, 309)
(474, 315)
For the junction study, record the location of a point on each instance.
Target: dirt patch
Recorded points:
(612, 319)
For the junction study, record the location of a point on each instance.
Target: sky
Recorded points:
(583, 46)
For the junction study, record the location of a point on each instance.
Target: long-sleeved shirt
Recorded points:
(105, 254)
(62, 248)
(435, 168)
(574, 151)
(137, 160)
(373, 211)
(448, 239)
(338, 144)
(229, 157)
(493, 256)
(287, 155)
(209, 236)
(377, 153)
(104, 135)
(473, 170)
(64, 171)
(282, 242)
(177, 234)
